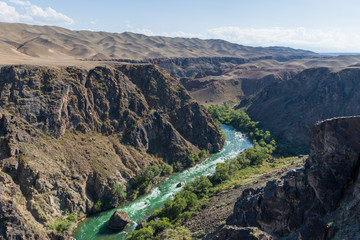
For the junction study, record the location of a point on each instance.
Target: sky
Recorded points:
(317, 25)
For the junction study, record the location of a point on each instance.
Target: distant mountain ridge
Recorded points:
(49, 41)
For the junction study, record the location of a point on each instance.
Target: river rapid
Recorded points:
(94, 228)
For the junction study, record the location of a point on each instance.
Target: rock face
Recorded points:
(290, 108)
(303, 202)
(68, 134)
(119, 220)
(243, 233)
(13, 224)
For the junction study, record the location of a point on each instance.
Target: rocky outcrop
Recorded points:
(243, 233)
(13, 224)
(68, 134)
(290, 108)
(118, 221)
(163, 92)
(304, 201)
(197, 67)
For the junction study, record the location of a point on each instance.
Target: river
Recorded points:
(94, 228)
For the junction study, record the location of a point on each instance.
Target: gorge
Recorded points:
(85, 115)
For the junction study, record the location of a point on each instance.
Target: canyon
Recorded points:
(83, 111)
(69, 134)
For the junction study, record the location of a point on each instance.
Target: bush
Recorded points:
(257, 155)
(142, 234)
(150, 173)
(61, 225)
(119, 191)
(150, 229)
(160, 225)
(221, 172)
(134, 194)
(184, 200)
(72, 218)
(167, 170)
(203, 154)
(98, 205)
(147, 177)
(189, 197)
(173, 208)
(193, 158)
(200, 186)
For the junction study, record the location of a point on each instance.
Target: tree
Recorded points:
(203, 154)
(174, 207)
(201, 185)
(193, 158)
(190, 198)
(222, 172)
(167, 170)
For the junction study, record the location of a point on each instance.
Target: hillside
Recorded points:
(21, 41)
(70, 135)
(290, 108)
(213, 71)
(317, 201)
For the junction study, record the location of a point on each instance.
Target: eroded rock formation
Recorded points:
(306, 202)
(68, 134)
(290, 108)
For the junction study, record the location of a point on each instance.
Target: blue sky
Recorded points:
(318, 25)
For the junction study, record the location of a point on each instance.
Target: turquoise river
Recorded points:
(94, 228)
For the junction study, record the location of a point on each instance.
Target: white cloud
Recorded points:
(18, 2)
(183, 34)
(320, 40)
(144, 31)
(314, 39)
(31, 13)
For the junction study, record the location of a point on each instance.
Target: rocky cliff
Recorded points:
(68, 134)
(290, 108)
(319, 201)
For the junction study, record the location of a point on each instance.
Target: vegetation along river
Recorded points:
(94, 228)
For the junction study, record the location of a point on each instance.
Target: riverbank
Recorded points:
(95, 226)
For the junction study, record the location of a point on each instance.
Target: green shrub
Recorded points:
(134, 194)
(222, 172)
(184, 201)
(203, 154)
(98, 205)
(193, 158)
(72, 218)
(160, 225)
(151, 229)
(167, 170)
(141, 234)
(256, 155)
(61, 225)
(148, 174)
(200, 186)
(119, 191)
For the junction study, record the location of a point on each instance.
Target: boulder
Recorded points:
(180, 184)
(118, 221)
